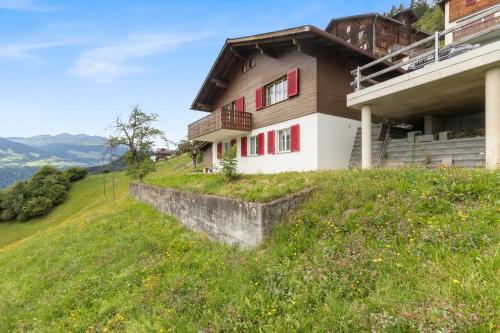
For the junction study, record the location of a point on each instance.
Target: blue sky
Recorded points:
(74, 66)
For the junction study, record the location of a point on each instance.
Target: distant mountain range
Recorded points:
(21, 157)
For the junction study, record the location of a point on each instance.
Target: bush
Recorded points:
(35, 207)
(47, 188)
(75, 173)
(229, 165)
(141, 169)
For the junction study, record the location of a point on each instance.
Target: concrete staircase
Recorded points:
(467, 152)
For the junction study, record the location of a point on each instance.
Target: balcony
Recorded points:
(221, 125)
(475, 28)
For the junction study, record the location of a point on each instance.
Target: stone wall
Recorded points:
(222, 219)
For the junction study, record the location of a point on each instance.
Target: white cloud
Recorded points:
(24, 50)
(26, 5)
(107, 63)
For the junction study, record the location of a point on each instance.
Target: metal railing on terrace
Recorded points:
(473, 29)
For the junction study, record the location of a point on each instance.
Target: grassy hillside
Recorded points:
(179, 174)
(383, 250)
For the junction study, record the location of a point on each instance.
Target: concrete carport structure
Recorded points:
(470, 81)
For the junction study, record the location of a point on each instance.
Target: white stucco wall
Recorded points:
(325, 143)
(335, 141)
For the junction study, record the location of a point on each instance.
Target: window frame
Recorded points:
(249, 147)
(249, 63)
(283, 82)
(287, 143)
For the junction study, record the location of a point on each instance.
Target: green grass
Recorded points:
(255, 188)
(381, 251)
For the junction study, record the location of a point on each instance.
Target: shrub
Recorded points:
(13, 200)
(35, 207)
(141, 169)
(229, 165)
(75, 173)
(47, 188)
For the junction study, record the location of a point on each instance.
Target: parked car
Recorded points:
(444, 54)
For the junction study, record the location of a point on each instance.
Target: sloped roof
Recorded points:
(410, 10)
(346, 18)
(236, 49)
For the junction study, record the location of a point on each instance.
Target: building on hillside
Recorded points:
(450, 95)
(376, 33)
(457, 11)
(280, 99)
(163, 154)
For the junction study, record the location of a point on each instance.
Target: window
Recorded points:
(383, 29)
(277, 91)
(349, 41)
(253, 146)
(248, 64)
(348, 29)
(227, 147)
(361, 34)
(229, 107)
(469, 2)
(404, 21)
(283, 140)
(364, 46)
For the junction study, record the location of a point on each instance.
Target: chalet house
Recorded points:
(451, 95)
(376, 33)
(457, 11)
(279, 98)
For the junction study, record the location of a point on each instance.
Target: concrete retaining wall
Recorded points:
(223, 219)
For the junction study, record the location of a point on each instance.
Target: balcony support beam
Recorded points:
(366, 137)
(492, 118)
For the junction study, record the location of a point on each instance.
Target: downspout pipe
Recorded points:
(374, 32)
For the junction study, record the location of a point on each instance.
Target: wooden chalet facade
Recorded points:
(280, 98)
(457, 11)
(377, 34)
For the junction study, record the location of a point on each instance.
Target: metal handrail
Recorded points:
(384, 143)
(357, 73)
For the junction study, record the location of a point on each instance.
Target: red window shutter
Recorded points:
(293, 82)
(260, 144)
(219, 150)
(295, 138)
(244, 146)
(259, 98)
(270, 142)
(240, 104)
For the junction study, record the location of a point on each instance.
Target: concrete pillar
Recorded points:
(432, 125)
(493, 118)
(366, 137)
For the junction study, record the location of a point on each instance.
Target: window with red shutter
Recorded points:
(293, 82)
(219, 150)
(240, 104)
(259, 98)
(270, 142)
(244, 146)
(295, 138)
(469, 2)
(260, 144)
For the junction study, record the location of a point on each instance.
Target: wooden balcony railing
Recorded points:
(475, 28)
(220, 120)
